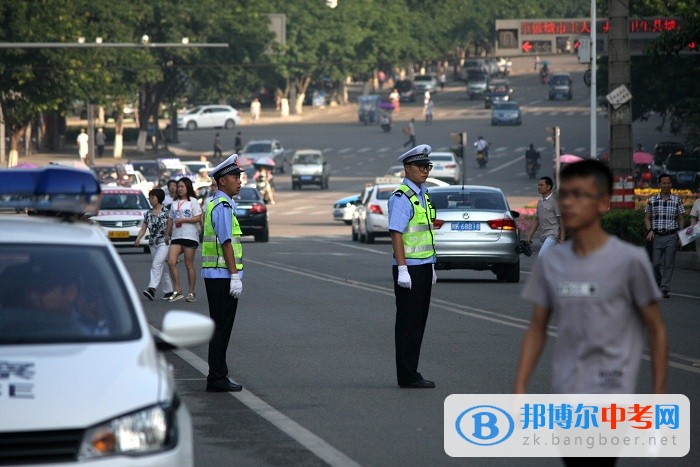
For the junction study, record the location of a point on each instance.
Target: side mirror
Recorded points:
(515, 214)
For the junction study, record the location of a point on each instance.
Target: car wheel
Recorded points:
(510, 273)
(229, 124)
(369, 238)
(362, 238)
(348, 222)
(355, 237)
(262, 236)
(191, 125)
(147, 249)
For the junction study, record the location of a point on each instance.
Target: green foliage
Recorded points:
(627, 224)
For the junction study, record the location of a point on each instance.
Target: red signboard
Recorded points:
(572, 27)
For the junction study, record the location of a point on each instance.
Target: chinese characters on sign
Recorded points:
(564, 27)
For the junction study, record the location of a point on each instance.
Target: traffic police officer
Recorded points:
(411, 216)
(222, 269)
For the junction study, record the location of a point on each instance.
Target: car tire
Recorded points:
(355, 237)
(361, 237)
(348, 222)
(191, 125)
(263, 236)
(229, 124)
(147, 250)
(369, 238)
(510, 273)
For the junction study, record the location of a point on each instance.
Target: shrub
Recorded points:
(627, 224)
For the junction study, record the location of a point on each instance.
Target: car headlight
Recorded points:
(146, 431)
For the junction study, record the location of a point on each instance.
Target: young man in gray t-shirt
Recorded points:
(601, 293)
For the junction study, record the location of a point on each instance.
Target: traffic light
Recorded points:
(460, 140)
(552, 135)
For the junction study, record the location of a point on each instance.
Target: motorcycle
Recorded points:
(386, 123)
(482, 158)
(263, 186)
(531, 167)
(544, 76)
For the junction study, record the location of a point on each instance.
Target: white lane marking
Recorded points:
(310, 441)
(500, 149)
(503, 166)
(363, 150)
(344, 150)
(384, 149)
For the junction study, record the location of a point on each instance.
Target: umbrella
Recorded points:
(25, 165)
(264, 162)
(641, 157)
(385, 105)
(569, 158)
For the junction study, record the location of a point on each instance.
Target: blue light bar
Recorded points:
(51, 188)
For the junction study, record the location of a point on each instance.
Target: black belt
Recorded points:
(664, 232)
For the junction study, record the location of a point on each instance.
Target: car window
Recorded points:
(247, 194)
(194, 110)
(116, 201)
(440, 158)
(307, 159)
(506, 107)
(683, 164)
(148, 169)
(403, 86)
(61, 294)
(259, 147)
(559, 80)
(474, 200)
(385, 193)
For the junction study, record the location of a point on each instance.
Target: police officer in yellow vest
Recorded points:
(222, 269)
(411, 216)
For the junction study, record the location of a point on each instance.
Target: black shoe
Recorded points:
(420, 384)
(666, 295)
(149, 293)
(167, 296)
(224, 385)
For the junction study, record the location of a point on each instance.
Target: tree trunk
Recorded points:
(14, 148)
(28, 141)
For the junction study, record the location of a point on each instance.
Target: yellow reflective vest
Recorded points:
(212, 254)
(418, 239)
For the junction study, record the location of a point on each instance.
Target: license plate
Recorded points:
(465, 226)
(118, 234)
(241, 212)
(306, 177)
(685, 178)
(438, 167)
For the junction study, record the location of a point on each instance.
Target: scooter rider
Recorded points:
(532, 155)
(482, 145)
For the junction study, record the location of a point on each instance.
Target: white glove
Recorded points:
(236, 288)
(404, 279)
(434, 276)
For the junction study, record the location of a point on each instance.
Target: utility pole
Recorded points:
(619, 75)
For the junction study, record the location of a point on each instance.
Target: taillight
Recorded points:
(257, 208)
(502, 224)
(375, 209)
(450, 166)
(437, 223)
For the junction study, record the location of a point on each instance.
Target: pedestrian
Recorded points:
(381, 76)
(410, 131)
(82, 141)
(537, 62)
(156, 221)
(238, 143)
(663, 218)
(255, 110)
(429, 111)
(395, 98)
(222, 270)
(411, 216)
(548, 218)
(694, 216)
(278, 100)
(600, 291)
(183, 233)
(171, 194)
(442, 80)
(100, 140)
(217, 146)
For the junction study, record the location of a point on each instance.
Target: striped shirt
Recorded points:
(664, 213)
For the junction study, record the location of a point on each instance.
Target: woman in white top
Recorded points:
(183, 231)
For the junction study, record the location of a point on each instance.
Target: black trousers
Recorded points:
(411, 315)
(222, 309)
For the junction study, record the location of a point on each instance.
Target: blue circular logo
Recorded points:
(485, 425)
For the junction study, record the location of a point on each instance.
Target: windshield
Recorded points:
(307, 158)
(258, 147)
(488, 201)
(385, 193)
(60, 294)
(148, 169)
(194, 110)
(440, 158)
(114, 201)
(559, 80)
(506, 107)
(403, 86)
(248, 194)
(683, 164)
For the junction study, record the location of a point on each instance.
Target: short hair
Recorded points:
(172, 180)
(600, 173)
(158, 193)
(664, 175)
(548, 181)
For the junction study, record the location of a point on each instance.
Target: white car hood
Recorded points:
(78, 385)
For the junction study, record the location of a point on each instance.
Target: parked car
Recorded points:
(309, 167)
(251, 213)
(477, 83)
(84, 380)
(506, 112)
(499, 90)
(371, 217)
(271, 148)
(425, 83)
(345, 207)
(445, 167)
(475, 229)
(121, 215)
(407, 90)
(209, 116)
(684, 170)
(561, 85)
(662, 151)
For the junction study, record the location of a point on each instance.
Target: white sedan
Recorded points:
(209, 116)
(121, 215)
(83, 380)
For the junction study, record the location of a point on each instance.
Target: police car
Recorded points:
(121, 215)
(82, 377)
